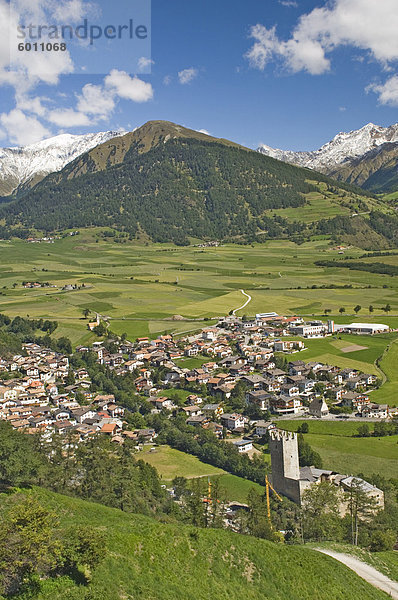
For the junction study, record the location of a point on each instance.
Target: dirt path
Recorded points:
(368, 573)
(243, 305)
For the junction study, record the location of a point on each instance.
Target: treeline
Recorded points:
(97, 470)
(381, 268)
(15, 332)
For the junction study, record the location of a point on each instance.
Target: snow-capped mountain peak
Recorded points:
(21, 165)
(345, 146)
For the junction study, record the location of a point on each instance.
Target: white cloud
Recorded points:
(22, 129)
(67, 118)
(342, 108)
(288, 3)
(187, 75)
(204, 131)
(367, 25)
(167, 80)
(32, 116)
(388, 91)
(31, 104)
(144, 63)
(129, 88)
(94, 100)
(73, 10)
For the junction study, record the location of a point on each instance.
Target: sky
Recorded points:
(287, 73)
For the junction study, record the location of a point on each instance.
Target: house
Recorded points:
(243, 446)
(197, 421)
(258, 397)
(318, 408)
(355, 401)
(212, 410)
(254, 382)
(233, 421)
(285, 404)
(379, 411)
(110, 428)
(192, 411)
(162, 402)
(215, 428)
(262, 427)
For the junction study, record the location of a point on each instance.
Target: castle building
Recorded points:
(291, 481)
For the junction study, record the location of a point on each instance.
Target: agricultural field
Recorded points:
(342, 452)
(172, 463)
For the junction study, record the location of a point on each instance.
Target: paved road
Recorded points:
(243, 305)
(368, 573)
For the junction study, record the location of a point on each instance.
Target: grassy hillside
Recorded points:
(147, 560)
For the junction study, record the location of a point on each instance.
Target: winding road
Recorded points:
(368, 573)
(243, 305)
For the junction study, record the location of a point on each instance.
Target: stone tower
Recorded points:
(285, 463)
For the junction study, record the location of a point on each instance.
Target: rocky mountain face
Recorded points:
(367, 157)
(23, 167)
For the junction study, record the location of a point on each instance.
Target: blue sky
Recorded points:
(216, 65)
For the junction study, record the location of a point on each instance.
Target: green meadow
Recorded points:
(172, 463)
(342, 452)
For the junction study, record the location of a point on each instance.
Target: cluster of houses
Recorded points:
(234, 352)
(32, 402)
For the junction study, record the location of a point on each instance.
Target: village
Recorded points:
(36, 394)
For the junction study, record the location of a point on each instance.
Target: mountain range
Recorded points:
(23, 167)
(165, 183)
(367, 157)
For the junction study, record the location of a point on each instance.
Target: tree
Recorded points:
(321, 516)
(381, 541)
(363, 430)
(19, 463)
(357, 308)
(360, 506)
(86, 312)
(27, 544)
(304, 428)
(258, 523)
(82, 547)
(308, 456)
(371, 308)
(387, 308)
(341, 310)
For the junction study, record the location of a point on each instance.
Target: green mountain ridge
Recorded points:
(168, 182)
(149, 560)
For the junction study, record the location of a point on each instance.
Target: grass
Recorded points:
(237, 488)
(148, 560)
(388, 393)
(172, 463)
(342, 452)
